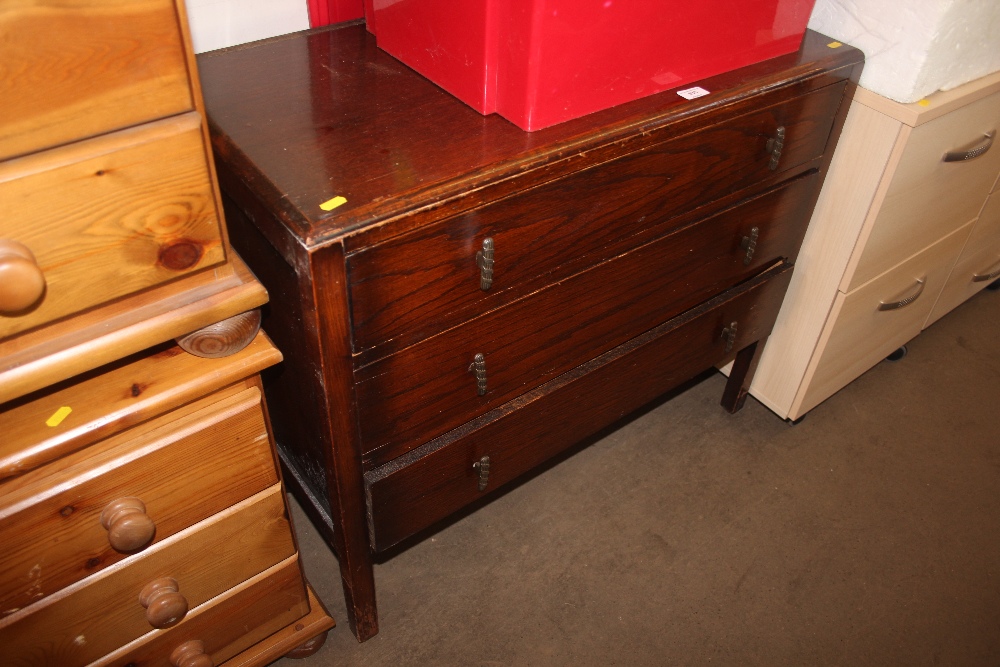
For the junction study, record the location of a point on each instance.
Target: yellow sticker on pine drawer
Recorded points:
(331, 204)
(58, 417)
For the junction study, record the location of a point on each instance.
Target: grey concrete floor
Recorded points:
(865, 535)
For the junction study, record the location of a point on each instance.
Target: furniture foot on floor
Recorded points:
(897, 354)
(741, 375)
(307, 648)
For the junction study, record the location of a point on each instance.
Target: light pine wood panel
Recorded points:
(858, 335)
(981, 257)
(111, 216)
(274, 601)
(934, 106)
(928, 198)
(864, 149)
(102, 335)
(98, 615)
(184, 467)
(78, 68)
(125, 395)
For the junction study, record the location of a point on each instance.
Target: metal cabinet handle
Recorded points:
(749, 243)
(484, 260)
(971, 154)
(478, 366)
(482, 466)
(906, 301)
(985, 277)
(729, 333)
(774, 146)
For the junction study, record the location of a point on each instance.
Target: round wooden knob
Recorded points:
(165, 606)
(191, 654)
(129, 527)
(222, 338)
(21, 280)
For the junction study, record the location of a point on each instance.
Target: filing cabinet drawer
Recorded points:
(101, 613)
(928, 197)
(861, 332)
(430, 483)
(125, 65)
(423, 391)
(111, 216)
(978, 265)
(58, 523)
(425, 282)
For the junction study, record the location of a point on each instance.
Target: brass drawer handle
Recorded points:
(482, 467)
(979, 149)
(729, 333)
(749, 243)
(774, 146)
(22, 282)
(905, 301)
(165, 606)
(129, 527)
(484, 260)
(985, 277)
(478, 366)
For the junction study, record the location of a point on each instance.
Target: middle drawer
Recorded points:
(431, 387)
(166, 474)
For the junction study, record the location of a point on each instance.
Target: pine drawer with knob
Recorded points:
(459, 301)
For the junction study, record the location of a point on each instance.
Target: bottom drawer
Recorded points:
(226, 625)
(99, 614)
(859, 334)
(978, 266)
(432, 481)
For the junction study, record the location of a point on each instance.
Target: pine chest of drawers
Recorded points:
(459, 301)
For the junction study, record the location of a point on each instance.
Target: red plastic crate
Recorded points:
(542, 62)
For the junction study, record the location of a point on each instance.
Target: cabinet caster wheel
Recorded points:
(308, 647)
(994, 286)
(898, 354)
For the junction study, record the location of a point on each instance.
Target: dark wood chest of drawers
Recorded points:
(459, 301)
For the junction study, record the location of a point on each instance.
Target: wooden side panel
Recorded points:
(242, 542)
(867, 141)
(428, 484)
(184, 467)
(78, 69)
(111, 216)
(421, 392)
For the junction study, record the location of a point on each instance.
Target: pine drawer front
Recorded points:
(928, 198)
(102, 613)
(182, 467)
(111, 216)
(859, 335)
(125, 65)
(430, 483)
(427, 281)
(227, 624)
(979, 264)
(410, 397)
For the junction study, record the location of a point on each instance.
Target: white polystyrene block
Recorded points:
(915, 47)
(219, 23)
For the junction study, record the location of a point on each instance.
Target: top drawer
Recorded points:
(929, 197)
(422, 283)
(71, 70)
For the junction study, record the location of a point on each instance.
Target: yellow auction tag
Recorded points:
(331, 204)
(835, 45)
(58, 417)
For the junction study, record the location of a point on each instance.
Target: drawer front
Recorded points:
(111, 216)
(206, 561)
(410, 397)
(227, 624)
(427, 281)
(978, 266)
(182, 467)
(430, 483)
(80, 69)
(929, 198)
(859, 335)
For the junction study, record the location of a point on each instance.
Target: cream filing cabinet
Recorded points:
(905, 230)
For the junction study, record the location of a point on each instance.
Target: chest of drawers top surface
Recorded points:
(314, 116)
